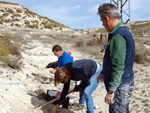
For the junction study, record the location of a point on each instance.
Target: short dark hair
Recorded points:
(56, 48)
(108, 9)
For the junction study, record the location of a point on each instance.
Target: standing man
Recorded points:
(63, 57)
(118, 60)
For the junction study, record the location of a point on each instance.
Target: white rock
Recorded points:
(96, 107)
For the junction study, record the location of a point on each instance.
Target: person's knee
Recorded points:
(87, 94)
(122, 98)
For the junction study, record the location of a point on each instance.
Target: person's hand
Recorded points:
(72, 91)
(57, 107)
(52, 70)
(109, 98)
(99, 78)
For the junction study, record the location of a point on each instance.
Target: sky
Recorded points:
(82, 14)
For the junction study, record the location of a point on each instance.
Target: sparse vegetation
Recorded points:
(7, 20)
(141, 28)
(7, 3)
(139, 58)
(16, 20)
(56, 24)
(49, 26)
(19, 10)
(27, 22)
(5, 14)
(92, 42)
(17, 15)
(141, 52)
(10, 51)
(10, 11)
(79, 43)
(18, 25)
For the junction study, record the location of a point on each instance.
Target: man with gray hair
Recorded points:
(118, 60)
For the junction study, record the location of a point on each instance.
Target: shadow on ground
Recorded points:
(39, 100)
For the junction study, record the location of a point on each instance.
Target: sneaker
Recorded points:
(77, 107)
(80, 106)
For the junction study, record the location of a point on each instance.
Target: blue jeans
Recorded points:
(121, 99)
(85, 94)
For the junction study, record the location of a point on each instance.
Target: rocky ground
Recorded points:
(21, 90)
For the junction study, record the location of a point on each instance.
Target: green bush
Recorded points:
(12, 16)
(27, 22)
(18, 25)
(17, 15)
(48, 26)
(30, 26)
(16, 19)
(56, 24)
(19, 10)
(10, 11)
(5, 14)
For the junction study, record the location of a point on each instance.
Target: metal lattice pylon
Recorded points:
(124, 10)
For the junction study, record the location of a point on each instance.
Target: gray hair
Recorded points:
(108, 9)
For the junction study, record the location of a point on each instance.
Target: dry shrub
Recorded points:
(141, 53)
(139, 58)
(4, 48)
(92, 43)
(10, 51)
(12, 61)
(75, 36)
(9, 45)
(148, 60)
(19, 10)
(79, 43)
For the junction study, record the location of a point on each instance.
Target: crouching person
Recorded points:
(86, 71)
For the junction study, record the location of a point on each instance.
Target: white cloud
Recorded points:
(94, 9)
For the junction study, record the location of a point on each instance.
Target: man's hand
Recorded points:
(52, 70)
(57, 107)
(99, 78)
(72, 91)
(109, 98)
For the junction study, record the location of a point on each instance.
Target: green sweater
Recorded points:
(117, 53)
